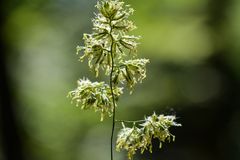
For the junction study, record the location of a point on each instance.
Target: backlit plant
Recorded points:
(110, 50)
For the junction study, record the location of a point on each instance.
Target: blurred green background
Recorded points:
(194, 73)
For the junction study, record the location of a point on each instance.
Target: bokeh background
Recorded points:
(194, 73)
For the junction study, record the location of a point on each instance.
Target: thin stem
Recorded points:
(111, 87)
(137, 121)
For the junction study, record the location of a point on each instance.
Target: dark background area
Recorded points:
(193, 46)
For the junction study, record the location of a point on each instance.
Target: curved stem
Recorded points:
(113, 98)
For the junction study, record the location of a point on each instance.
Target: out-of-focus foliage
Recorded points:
(176, 30)
(178, 39)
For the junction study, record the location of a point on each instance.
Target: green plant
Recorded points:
(110, 49)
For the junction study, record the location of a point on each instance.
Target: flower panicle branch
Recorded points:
(95, 96)
(139, 137)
